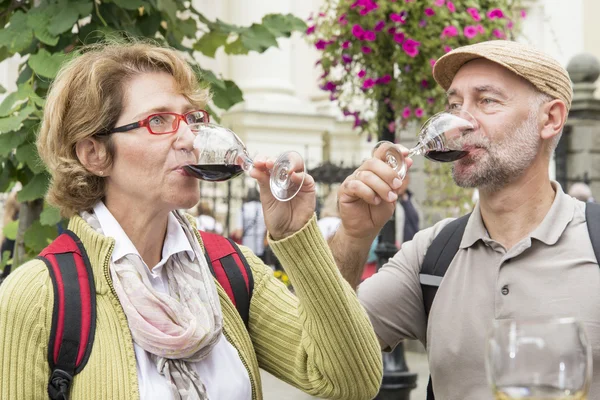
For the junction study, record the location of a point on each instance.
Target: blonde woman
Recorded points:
(115, 175)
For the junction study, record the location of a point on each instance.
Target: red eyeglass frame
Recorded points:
(146, 122)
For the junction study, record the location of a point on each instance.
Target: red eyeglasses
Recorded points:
(165, 122)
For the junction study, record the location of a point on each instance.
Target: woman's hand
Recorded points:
(284, 218)
(367, 198)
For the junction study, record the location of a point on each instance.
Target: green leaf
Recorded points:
(50, 216)
(38, 236)
(2, 89)
(189, 27)
(205, 75)
(6, 259)
(13, 123)
(45, 64)
(210, 42)
(236, 47)
(129, 4)
(38, 19)
(64, 20)
(283, 25)
(6, 176)
(225, 99)
(17, 36)
(169, 7)
(258, 38)
(11, 102)
(27, 154)
(35, 189)
(10, 230)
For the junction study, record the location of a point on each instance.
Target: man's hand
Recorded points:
(366, 201)
(367, 198)
(284, 218)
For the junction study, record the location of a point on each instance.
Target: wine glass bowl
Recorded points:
(441, 138)
(539, 359)
(218, 154)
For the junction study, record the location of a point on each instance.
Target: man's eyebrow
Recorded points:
(479, 89)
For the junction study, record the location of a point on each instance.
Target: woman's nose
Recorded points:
(185, 138)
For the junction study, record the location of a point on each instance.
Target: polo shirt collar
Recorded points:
(175, 239)
(548, 231)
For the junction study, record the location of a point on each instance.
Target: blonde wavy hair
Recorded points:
(86, 100)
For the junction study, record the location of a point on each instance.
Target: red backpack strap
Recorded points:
(74, 313)
(230, 268)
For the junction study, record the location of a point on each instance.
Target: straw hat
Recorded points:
(541, 70)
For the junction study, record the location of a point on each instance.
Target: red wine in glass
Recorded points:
(440, 139)
(214, 172)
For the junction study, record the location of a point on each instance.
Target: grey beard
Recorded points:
(504, 162)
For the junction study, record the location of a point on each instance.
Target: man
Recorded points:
(525, 251)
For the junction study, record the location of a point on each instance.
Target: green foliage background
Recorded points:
(46, 33)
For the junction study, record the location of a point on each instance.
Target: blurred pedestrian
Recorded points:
(330, 218)
(206, 220)
(581, 191)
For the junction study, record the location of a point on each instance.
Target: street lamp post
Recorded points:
(398, 381)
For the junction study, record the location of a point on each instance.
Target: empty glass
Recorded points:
(539, 360)
(440, 139)
(219, 154)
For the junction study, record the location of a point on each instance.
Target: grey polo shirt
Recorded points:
(552, 272)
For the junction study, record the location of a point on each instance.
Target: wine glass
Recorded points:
(440, 139)
(547, 359)
(219, 154)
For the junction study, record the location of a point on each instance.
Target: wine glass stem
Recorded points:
(419, 149)
(246, 163)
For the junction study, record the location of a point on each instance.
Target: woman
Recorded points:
(121, 185)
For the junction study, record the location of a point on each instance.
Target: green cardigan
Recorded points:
(320, 341)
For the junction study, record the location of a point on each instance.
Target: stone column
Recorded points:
(578, 153)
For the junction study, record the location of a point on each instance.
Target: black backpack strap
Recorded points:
(437, 259)
(74, 312)
(231, 269)
(592, 219)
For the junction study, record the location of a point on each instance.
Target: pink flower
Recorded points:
(370, 36)
(342, 17)
(330, 86)
(474, 13)
(366, 49)
(429, 12)
(430, 100)
(495, 13)
(379, 26)
(432, 62)
(321, 44)
(411, 47)
(310, 29)
(346, 44)
(439, 3)
(384, 80)
(422, 23)
(399, 38)
(396, 17)
(392, 126)
(391, 31)
(480, 28)
(523, 14)
(368, 83)
(406, 112)
(449, 31)
(470, 31)
(451, 6)
(419, 112)
(362, 73)
(424, 83)
(499, 34)
(447, 49)
(346, 58)
(358, 32)
(510, 24)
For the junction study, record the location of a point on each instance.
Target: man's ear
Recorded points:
(92, 155)
(554, 115)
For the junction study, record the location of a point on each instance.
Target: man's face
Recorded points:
(506, 140)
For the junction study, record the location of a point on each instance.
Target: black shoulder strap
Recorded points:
(439, 255)
(74, 313)
(592, 219)
(437, 259)
(231, 269)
